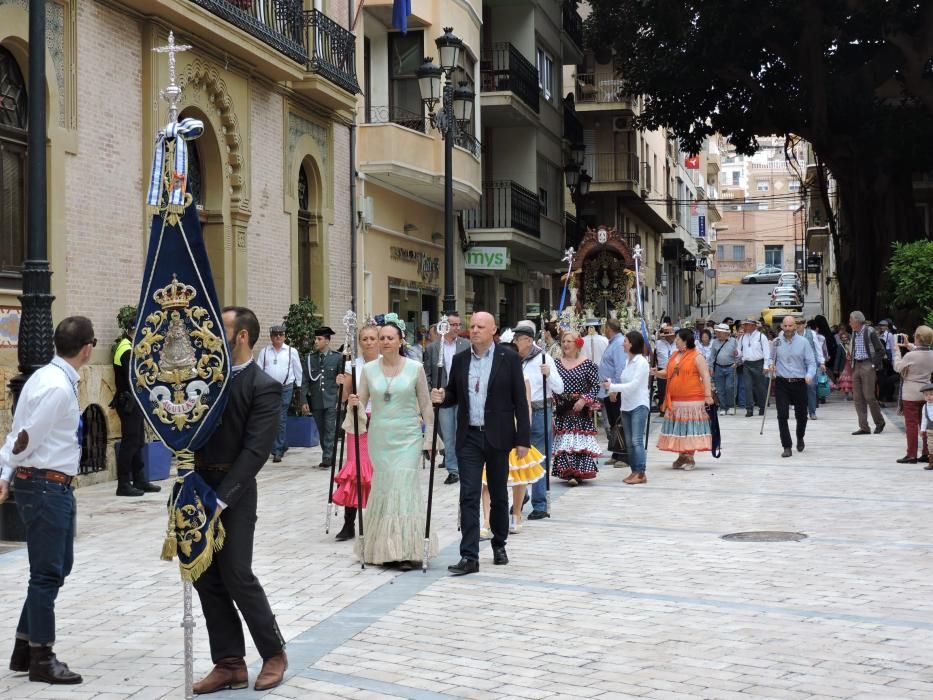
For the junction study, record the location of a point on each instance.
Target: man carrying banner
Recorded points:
(229, 462)
(44, 449)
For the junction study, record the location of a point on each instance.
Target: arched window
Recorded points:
(195, 181)
(13, 111)
(304, 236)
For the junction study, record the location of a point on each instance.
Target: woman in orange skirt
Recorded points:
(345, 493)
(686, 424)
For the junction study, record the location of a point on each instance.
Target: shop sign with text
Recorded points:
(487, 258)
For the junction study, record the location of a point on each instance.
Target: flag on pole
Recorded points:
(401, 9)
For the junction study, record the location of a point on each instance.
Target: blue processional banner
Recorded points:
(181, 362)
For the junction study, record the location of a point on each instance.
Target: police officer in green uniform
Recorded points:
(131, 480)
(320, 390)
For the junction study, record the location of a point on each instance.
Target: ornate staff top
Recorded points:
(349, 326)
(443, 325)
(172, 93)
(569, 255)
(637, 252)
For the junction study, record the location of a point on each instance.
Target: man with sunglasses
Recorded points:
(42, 453)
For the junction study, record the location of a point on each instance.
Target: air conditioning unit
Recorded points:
(621, 123)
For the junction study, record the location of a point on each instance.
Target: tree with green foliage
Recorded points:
(852, 77)
(910, 276)
(300, 323)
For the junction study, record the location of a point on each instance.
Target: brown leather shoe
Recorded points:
(229, 673)
(273, 671)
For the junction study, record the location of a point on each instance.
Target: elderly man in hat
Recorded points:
(536, 374)
(723, 353)
(320, 390)
(281, 362)
(662, 353)
(755, 355)
(594, 342)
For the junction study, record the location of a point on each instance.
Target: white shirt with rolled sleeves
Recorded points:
(755, 346)
(283, 365)
(49, 413)
(531, 369)
(633, 386)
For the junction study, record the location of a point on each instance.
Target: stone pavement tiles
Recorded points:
(626, 592)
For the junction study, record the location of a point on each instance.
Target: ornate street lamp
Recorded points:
(451, 121)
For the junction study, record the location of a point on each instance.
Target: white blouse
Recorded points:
(633, 387)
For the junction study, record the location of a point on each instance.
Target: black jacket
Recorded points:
(246, 431)
(506, 412)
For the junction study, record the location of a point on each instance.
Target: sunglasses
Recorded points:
(92, 342)
(276, 334)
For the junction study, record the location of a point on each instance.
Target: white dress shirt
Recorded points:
(283, 364)
(593, 347)
(450, 349)
(755, 346)
(633, 387)
(663, 349)
(48, 412)
(531, 369)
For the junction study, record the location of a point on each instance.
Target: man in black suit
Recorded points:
(229, 462)
(487, 386)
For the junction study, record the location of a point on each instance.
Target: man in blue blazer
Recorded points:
(488, 388)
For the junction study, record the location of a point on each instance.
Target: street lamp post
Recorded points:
(455, 113)
(578, 182)
(35, 338)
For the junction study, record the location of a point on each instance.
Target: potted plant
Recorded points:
(157, 458)
(300, 323)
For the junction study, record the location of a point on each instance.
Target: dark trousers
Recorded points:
(229, 585)
(133, 437)
(47, 509)
(662, 386)
(756, 385)
(787, 394)
(612, 415)
(326, 420)
(475, 453)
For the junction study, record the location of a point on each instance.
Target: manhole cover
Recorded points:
(765, 536)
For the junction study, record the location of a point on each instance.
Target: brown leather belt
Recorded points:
(46, 474)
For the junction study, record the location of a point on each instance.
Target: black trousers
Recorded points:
(756, 385)
(787, 394)
(475, 453)
(662, 387)
(612, 415)
(133, 437)
(230, 585)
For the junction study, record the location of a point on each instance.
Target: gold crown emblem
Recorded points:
(175, 295)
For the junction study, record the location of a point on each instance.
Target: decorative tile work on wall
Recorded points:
(298, 127)
(9, 326)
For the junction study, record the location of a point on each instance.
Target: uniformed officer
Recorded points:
(320, 390)
(131, 480)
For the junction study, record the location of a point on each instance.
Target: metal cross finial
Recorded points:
(349, 326)
(172, 93)
(568, 255)
(637, 252)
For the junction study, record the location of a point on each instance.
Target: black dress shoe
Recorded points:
(929, 467)
(862, 432)
(19, 659)
(147, 486)
(906, 460)
(538, 515)
(464, 566)
(499, 556)
(761, 411)
(127, 489)
(749, 414)
(879, 428)
(800, 445)
(276, 459)
(451, 479)
(787, 452)
(44, 667)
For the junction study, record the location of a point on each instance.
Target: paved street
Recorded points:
(747, 301)
(628, 591)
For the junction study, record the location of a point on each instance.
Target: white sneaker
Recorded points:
(485, 533)
(514, 528)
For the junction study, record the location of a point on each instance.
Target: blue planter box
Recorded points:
(157, 460)
(301, 431)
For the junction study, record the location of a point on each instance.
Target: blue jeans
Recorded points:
(740, 388)
(448, 427)
(539, 488)
(47, 510)
(281, 440)
(724, 377)
(633, 425)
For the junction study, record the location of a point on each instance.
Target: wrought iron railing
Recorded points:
(504, 205)
(468, 142)
(573, 127)
(605, 88)
(573, 22)
(331, 50)
(397, 115)
(308, 37)
(504, 69)
(93, 440)
(613, 168)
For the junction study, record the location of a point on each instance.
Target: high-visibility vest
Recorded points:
(124, 345)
